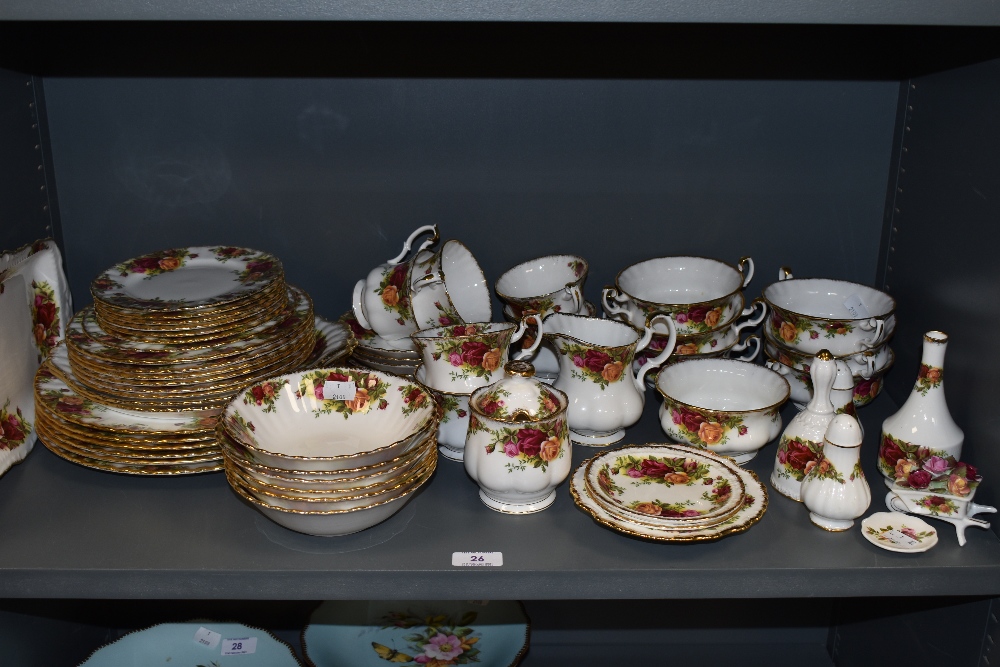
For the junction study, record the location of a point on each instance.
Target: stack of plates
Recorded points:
(400, 357)
(669, 493)
(330, 451)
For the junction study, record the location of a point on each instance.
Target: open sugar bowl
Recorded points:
(518, 448)
(727, 406)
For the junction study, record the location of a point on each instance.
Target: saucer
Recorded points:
(896, 531)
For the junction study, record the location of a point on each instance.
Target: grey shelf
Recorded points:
(73, 532)
(885, 12)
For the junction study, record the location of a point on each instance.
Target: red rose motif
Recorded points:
(890, 452)
(144, 264)
(863, 388)
(529, 441)
(651, 468)
(473, 352)
(692, 420)
(11, 430)
(698, 313)
(919, 479)
(489, 406)
(398, 276)
(971, 473)
(337, 377)
(356, 328)
(595, 360)
(259, 266)
(258, 394)
(458, 331)
(799, 455)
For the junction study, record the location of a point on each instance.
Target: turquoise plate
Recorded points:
(416, 634)
(174, 644)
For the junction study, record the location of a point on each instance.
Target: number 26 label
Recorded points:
(477, 559)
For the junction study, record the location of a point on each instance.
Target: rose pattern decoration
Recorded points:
(603, 365)
(797, 457)
(535, 446)
(441, 642)
(929, 471)
(578, 267)
(264, 395)
(789, 327)
(479, 354)
(667, 471)
(698, 318)
(14, 428)
(360, 333)
(929, 377)
(413, 398)
(226, 253)
(704, 428)
(370, 391)
(892, 450)
(866, 391)
(449, 406)
(937, 505)
(394, 290)
(824, 469)
(879, 533)
(261, 268)
(44, 318)
(155, 263)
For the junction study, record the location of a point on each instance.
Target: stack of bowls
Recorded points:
(330, 451)
(703, 296)
(854, 322)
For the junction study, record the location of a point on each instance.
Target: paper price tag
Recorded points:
(856, 307)
(477, 559)
(206, 637)
(900, 539)
(339, 391)
(239, 646)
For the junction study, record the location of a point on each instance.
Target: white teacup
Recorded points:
(448, 287)
(550, 284)
(698, 293)
(381, 302)
(463, 357)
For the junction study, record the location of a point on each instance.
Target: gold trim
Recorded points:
(519, 368)
(693, 303)
(128, 470)
(552, 334)
(892, 311)
(520, 416)
(939, 341)
(519, 299)
(788, 388)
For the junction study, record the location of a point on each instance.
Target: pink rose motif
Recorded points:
(681, 318)
(634, 473)
(783, 456)
(714, 343)
(919, 479)
(510, 449)
(144, 264)
(863, 388)
(444, 320)
(443, 647)
(742, 429)
(698, 313)
(813, 335)
(473, 352)
(578, 361)
(676, 417)
(936, 466)
(691, 512)
(455, 358)
(318, 390)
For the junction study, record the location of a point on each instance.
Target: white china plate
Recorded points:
(380, 633)
(187, 278)
(753, 509)
(174, 644)
(334, 341)
(896, 531)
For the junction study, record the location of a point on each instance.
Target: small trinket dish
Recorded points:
(895, 531)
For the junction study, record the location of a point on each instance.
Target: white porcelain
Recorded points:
(899, 532)
(835, 490)
(801, 443)
(923, 426)
(448, 287)
(17, 404)
(517, 448)
(461, 358)
(898, 503)
(595, 371)
(862, 364)
(726, 406)
(754, 506)
(45, 291)
(698, 293)
(294, 427)
(810, 314)
(544, 285)
(864, 392)
(382, 301)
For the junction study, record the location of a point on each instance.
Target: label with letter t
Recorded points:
(339, 391)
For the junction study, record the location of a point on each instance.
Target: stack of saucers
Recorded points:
(330, 451)
(399, 356)
(669, 493)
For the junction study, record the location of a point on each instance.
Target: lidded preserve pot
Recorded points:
(517, 447)
(801, 442)
(834, 489)
(923, 427)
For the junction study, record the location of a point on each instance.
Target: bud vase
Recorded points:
(923, 427)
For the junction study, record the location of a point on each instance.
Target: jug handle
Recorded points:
(610, 309)
(413, 237)
(753, 321)
(785, 273)
(530, 352)
(744, 263)
(657, 361)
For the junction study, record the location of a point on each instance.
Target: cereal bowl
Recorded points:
(727, 406)
(330, 419)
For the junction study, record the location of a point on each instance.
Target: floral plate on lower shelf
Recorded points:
(895, 531)
(754, 506)
(196, 644)
(434, 633)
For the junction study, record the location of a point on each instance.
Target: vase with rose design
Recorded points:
(835, 490)
(923, 428)
(595, 370)
(801, 444)
(517, 447)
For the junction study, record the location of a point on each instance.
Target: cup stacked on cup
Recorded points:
(854, 322)
(170, 338)
(704, 297)
(330, 451)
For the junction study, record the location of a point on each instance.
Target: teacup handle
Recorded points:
(751, 341)
(425, 280)
(610, 309)
(746, 263)
(754, 319)
(413, 237)
(785, 273)
(521, 329)
(357, 304)
(869, 361)
(876, 324)
(574, 293)
(778, 368)
(658, 360)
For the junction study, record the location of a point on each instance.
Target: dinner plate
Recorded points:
(413, 633)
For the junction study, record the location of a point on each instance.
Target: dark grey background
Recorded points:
(332, 175)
